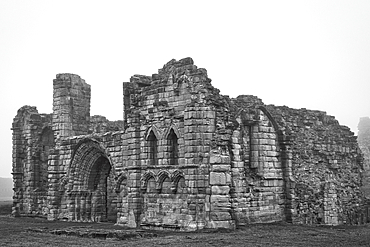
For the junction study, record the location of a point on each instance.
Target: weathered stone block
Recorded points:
(215, 159)
(217, 178)
(220, 190)
(220, 216)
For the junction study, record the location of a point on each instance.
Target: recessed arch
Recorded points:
(91, 182)
(178, 181)
(164, 181)
(145, 178)
(83, 152)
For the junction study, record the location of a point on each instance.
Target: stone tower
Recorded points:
(71, 106)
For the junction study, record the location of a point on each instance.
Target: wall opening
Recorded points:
(102, 192)
(153, 148)
(173, 147)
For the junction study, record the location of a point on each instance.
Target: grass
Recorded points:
(27, 231)
(5, 207)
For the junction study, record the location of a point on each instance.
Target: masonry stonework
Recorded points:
(183, 157)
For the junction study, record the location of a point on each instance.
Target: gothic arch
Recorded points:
(84, 156)
(145, 178)
(155, 131)
(176, 176)
(279, 133)
(175, 130)
(161, 177)
(91, 182)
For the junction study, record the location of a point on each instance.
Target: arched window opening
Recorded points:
(173, 148)
(153, 148)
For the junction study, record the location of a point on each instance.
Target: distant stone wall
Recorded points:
(364, 143)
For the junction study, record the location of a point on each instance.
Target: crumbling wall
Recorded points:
(364, 143)
(327, 165)
(100, 124)
(32, 141)
(246, 151)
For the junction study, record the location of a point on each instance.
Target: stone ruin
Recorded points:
(183, 157)
(364, 143)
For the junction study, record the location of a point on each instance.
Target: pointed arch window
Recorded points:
(173, 147)
(153, 148)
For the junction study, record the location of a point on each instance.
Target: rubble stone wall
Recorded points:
(327, 165)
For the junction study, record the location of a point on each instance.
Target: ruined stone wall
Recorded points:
(229, 152)
(184, 157)
(327, 165)
(364, 143)
(168, 152)
(32, 141)
(258, 191)
(100, 124)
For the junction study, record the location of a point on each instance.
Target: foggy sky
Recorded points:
(303, 54)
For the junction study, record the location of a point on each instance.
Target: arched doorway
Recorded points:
(100, 189)
(91, 181)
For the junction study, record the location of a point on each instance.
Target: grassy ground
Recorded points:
(36, 232)
(5, 207)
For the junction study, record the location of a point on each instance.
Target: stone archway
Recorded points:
(91, 195)
(100, 191)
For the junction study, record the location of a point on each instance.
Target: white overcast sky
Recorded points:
(303, 54)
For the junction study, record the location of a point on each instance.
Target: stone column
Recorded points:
(135, 199)
(78, 206)
(71, 206)
(83, 206)
(88, 206)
